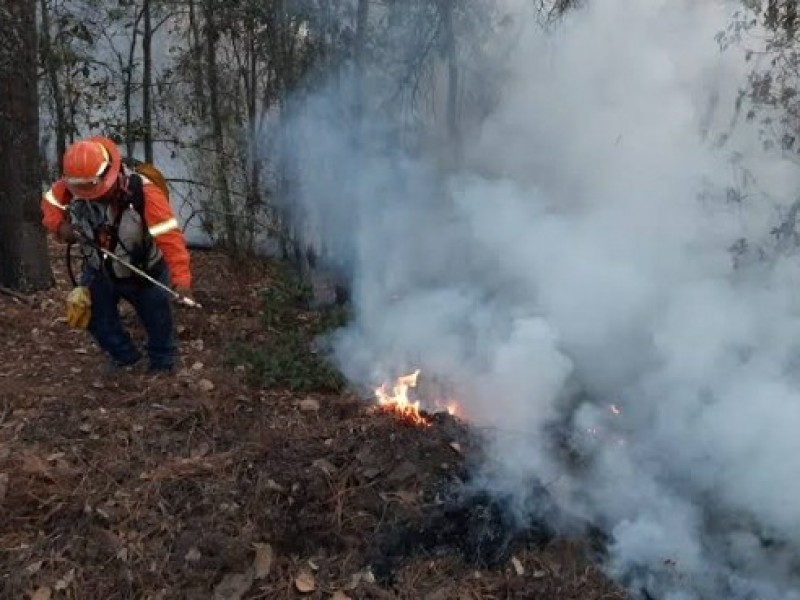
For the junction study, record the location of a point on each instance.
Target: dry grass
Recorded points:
(137, 487)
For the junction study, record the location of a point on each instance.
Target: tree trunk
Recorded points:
(362, 20)
(254, 184)
(280, 66)
(71, 95)
(147, 83)
(128, 69)
(24, 263)
(451, 55)
(196, 61)
(51, 67)
(217, 131)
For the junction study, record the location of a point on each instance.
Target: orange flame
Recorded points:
(398, 402)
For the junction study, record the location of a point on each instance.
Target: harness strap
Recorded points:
(135, 198)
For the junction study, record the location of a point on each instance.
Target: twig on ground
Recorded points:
(17, 295)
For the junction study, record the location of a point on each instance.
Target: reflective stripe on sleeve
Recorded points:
(51, 198)
(163, 227)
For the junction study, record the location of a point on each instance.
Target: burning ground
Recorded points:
(223, 483)
(613, 233)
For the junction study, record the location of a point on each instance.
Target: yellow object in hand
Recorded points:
(79, 308)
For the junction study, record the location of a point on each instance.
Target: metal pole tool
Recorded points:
(178, 297)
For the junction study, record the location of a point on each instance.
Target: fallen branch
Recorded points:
(17, 295)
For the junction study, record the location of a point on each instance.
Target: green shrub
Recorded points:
(287, 358)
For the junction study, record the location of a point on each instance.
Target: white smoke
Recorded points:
(582, 258)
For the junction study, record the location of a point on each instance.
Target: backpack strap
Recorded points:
(135, 197)
(136, 194)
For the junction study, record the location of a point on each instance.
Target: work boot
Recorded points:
(156, 370)
(112, 368)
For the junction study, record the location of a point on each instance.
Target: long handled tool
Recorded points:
(178, 297)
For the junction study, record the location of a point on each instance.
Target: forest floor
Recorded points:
(243, 475)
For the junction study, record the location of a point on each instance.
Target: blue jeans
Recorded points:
(153, 307)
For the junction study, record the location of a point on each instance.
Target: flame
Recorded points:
(450, 407)
(398, 402)
(394, 399)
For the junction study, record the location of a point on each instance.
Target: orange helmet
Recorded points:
(91, 167)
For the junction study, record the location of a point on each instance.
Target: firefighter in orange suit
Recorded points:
(100, 203)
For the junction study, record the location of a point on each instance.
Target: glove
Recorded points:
(184, 291)
(79, 308)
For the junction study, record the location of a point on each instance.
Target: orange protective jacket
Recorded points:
(159, 220)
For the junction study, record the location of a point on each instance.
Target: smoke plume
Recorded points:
(586, 256)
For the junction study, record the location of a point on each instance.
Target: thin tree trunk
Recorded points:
(51, 66)
(451, 54)
(362, 20)
(254, 194)
(217, 130)
(147, 83)
(71, 96)
(280, 61)
(24, 262)
(196, 60)
(130, 138)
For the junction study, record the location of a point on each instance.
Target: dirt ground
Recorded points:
(201, 485)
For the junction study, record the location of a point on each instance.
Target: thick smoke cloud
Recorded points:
(582, 258)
